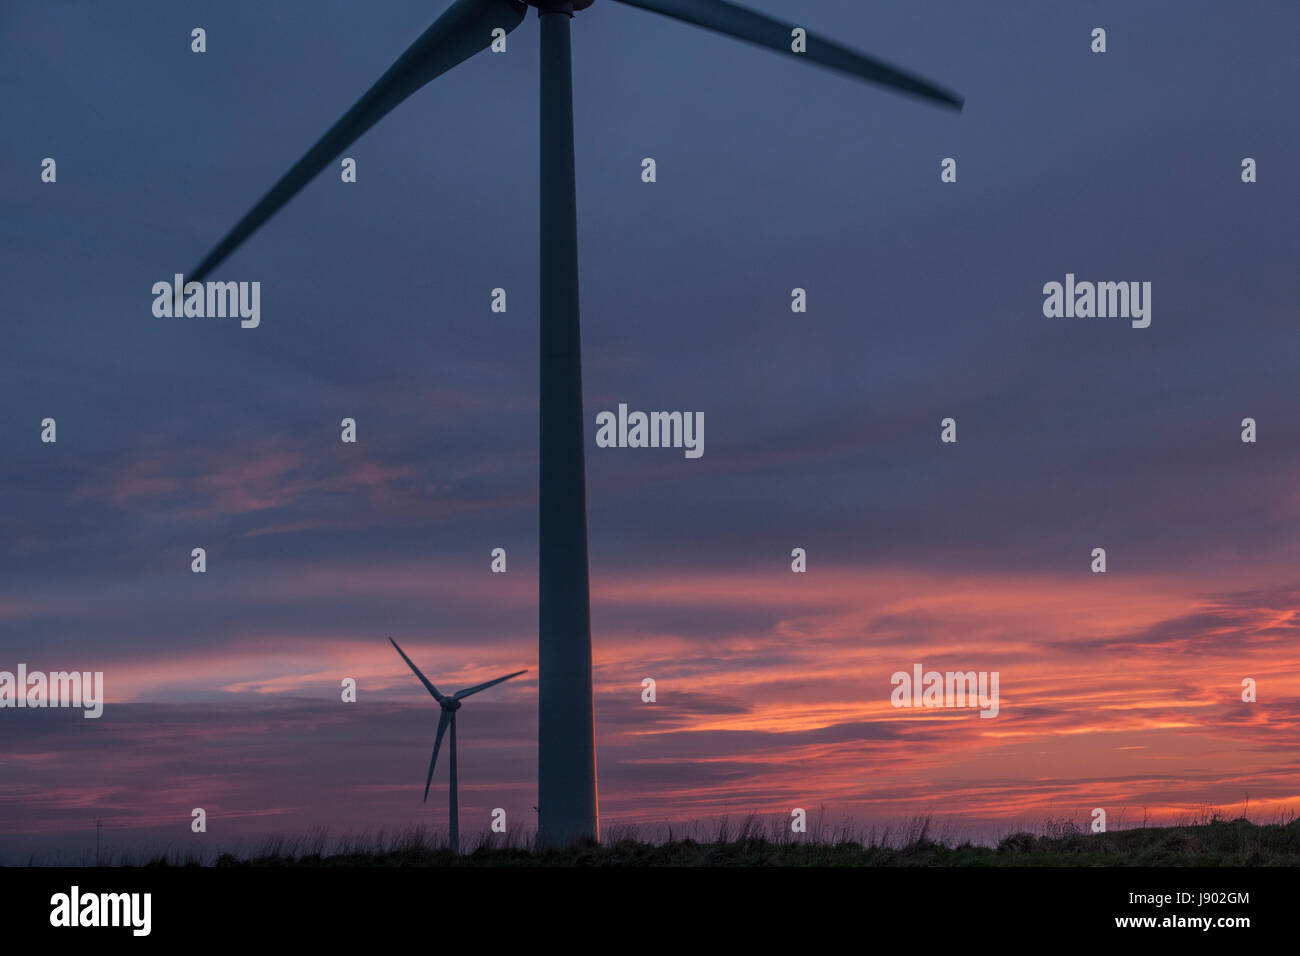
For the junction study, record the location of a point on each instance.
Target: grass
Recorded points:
(1208, 839)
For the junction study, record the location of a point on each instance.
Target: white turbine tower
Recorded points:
(449, 707)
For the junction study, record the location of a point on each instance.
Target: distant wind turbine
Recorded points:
(566, 746)
(449, 707)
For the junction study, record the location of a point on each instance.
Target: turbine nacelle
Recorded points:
(571, 6)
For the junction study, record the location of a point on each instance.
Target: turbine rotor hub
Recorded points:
(451, 704)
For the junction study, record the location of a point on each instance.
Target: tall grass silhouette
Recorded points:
(1204, 836)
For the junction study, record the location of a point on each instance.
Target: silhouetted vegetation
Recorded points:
(1205, 837)
(1215, 843)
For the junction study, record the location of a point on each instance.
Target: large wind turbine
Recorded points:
(449, 707)
(566, 760)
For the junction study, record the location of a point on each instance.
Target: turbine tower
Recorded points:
(449, 707)
(566, 751)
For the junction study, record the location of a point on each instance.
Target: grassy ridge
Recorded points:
(1219, 843)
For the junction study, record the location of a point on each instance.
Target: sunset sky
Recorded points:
(1119, 690)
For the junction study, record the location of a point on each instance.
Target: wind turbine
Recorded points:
(449, 707)
(566, 751)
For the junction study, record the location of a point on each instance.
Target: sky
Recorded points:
(1119, 690)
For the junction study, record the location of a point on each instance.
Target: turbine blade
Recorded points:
(727, 18)
(443, 721)
(411, 664)
(464, 30)
(461, 694)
